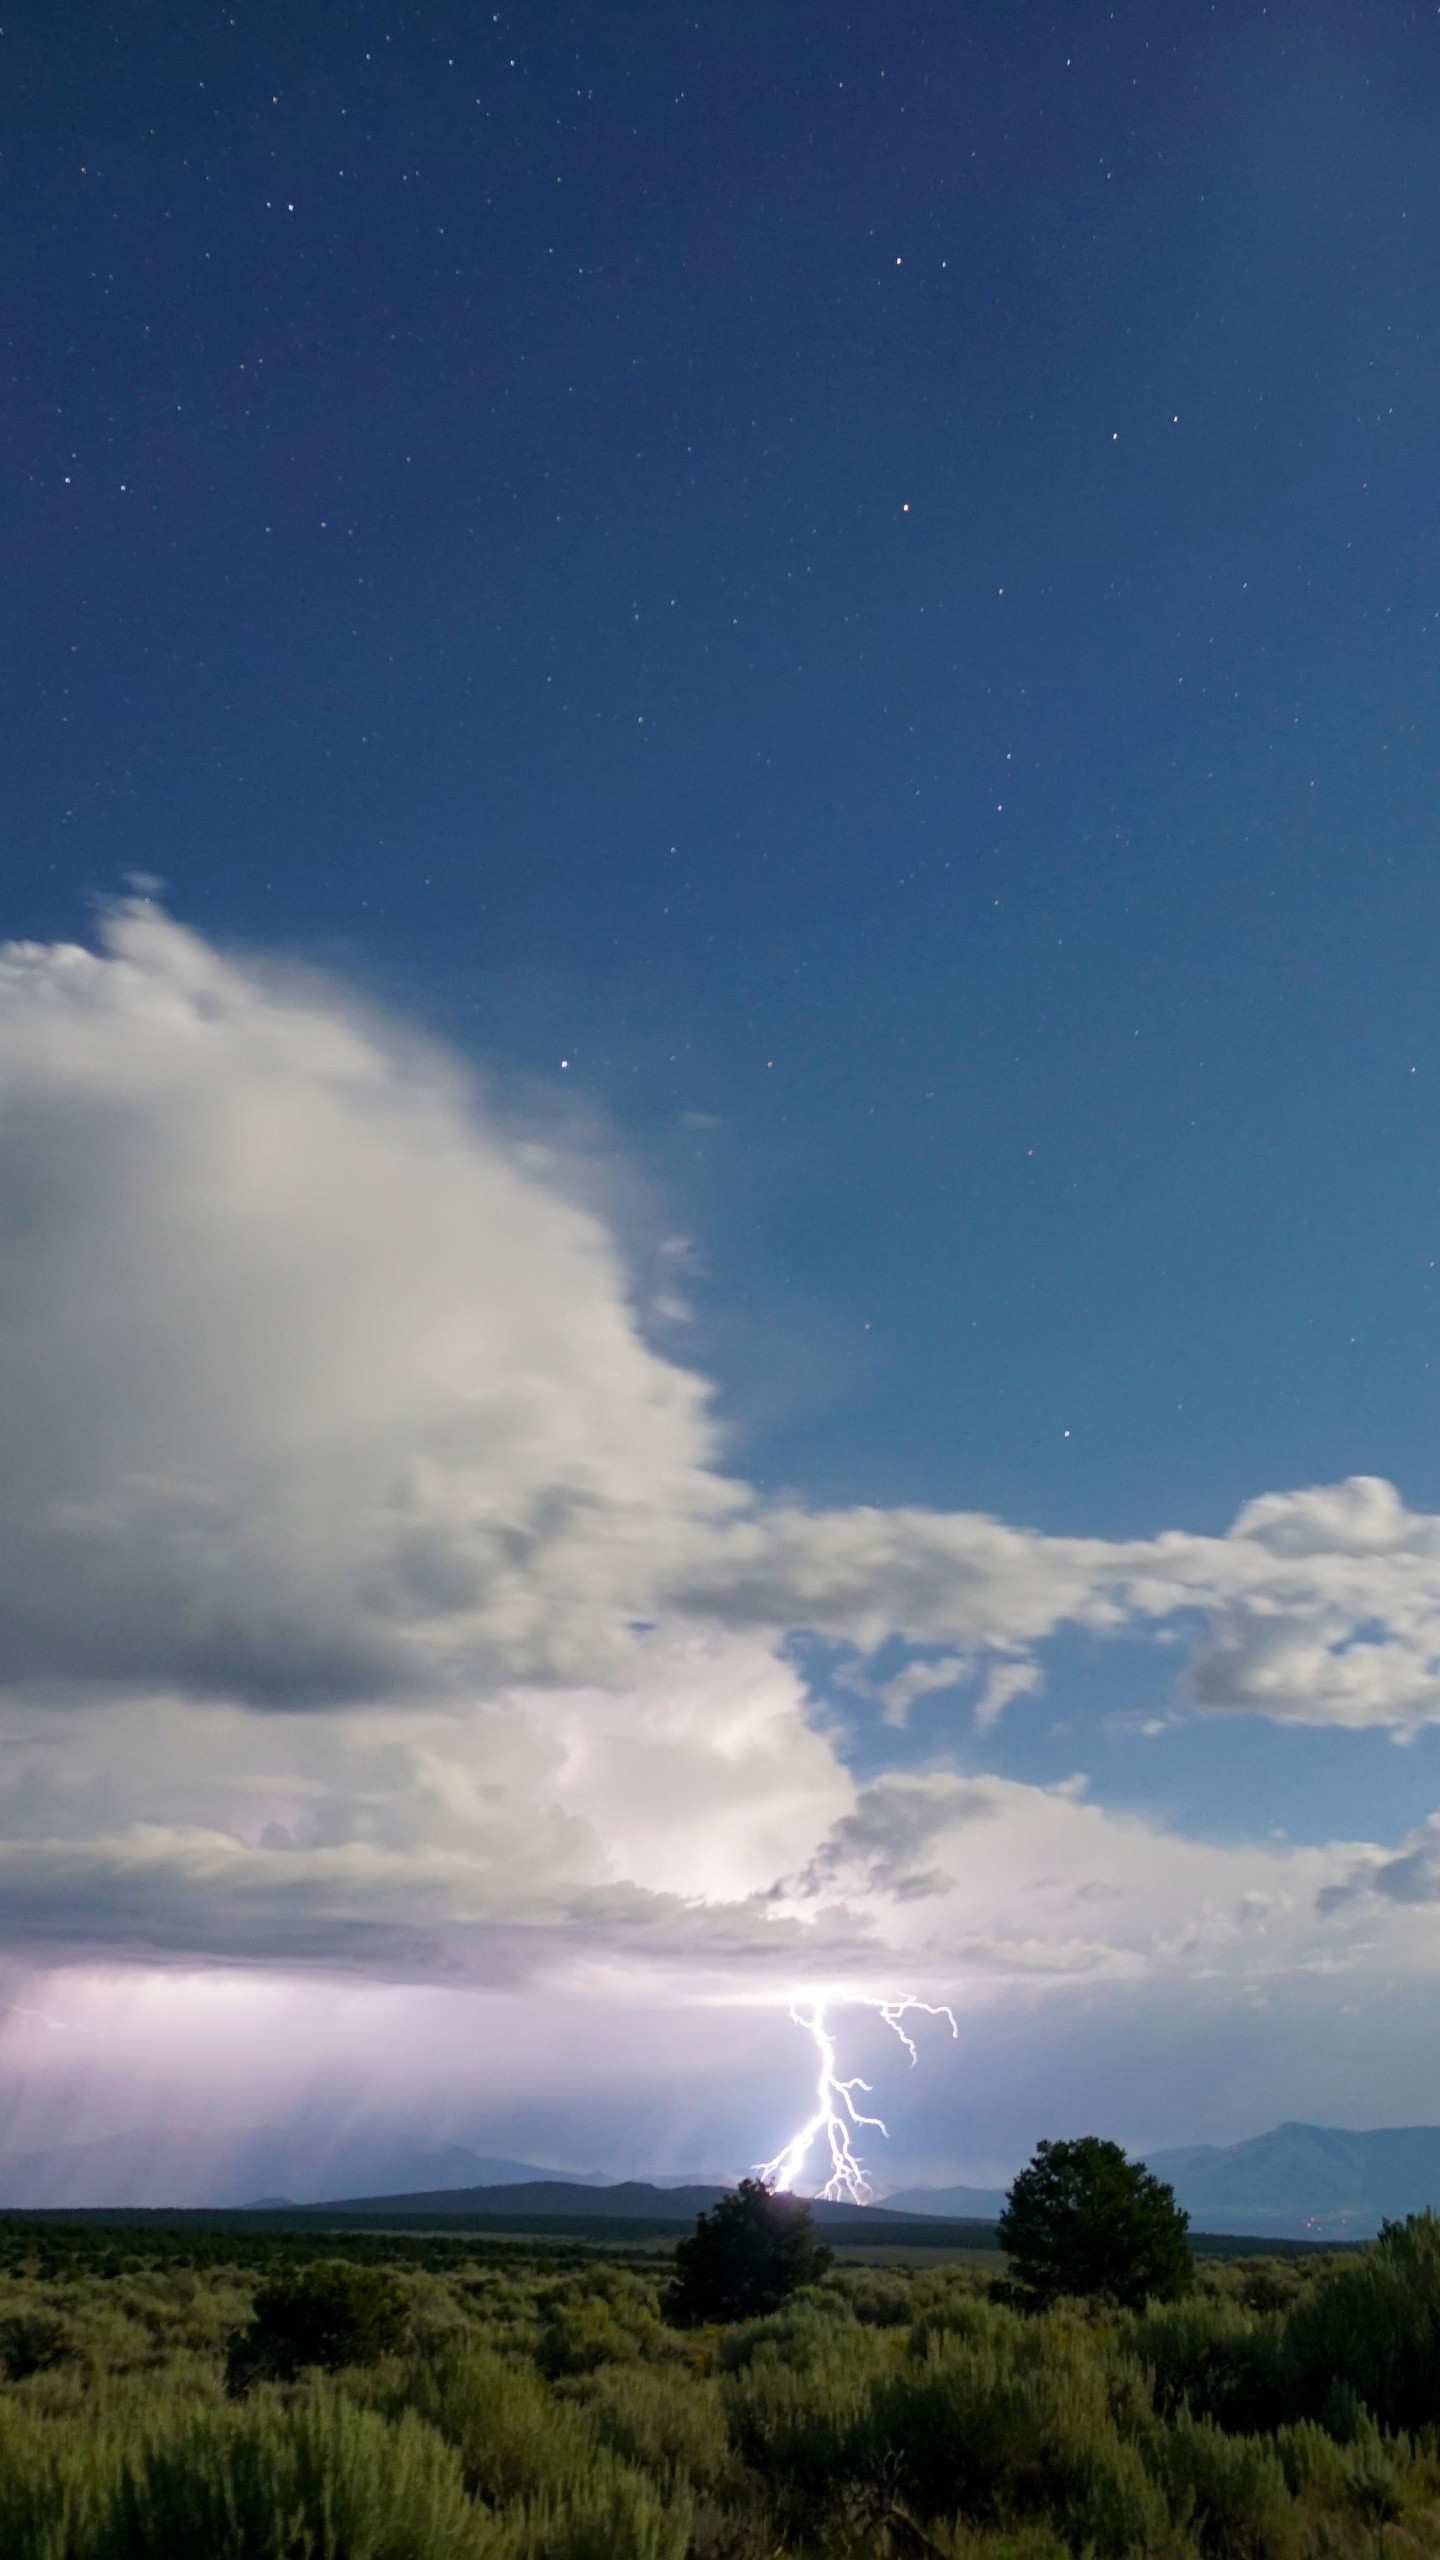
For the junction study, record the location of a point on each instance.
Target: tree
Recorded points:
(328, 2313)
(1084, 2219)
(745, 2256)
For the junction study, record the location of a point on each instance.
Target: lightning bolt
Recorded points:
(835, 2110)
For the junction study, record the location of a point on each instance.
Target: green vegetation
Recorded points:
(466, 2400)
(746, 2257)
(1084, 2219)
(327, 2315)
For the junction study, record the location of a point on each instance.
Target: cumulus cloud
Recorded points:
(987, 1880)
(1411, 1874)
(1317, 1607)
(314, 1389)
(372, 1592)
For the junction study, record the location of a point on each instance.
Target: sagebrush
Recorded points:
(533, 2409)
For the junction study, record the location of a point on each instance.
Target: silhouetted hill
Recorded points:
(632, 2200)
(966, 2204)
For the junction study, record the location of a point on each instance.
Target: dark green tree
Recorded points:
(328, 2313)
(1084, 2219)
(1371, 2329)
(745, 2256)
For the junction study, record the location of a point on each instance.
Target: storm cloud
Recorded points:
(373, 1593)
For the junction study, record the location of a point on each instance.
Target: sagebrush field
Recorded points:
(543, 2408)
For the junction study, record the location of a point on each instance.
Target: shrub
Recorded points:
(57, 2485)
(1016, 2424)
(803, 2330)
(610, 2515)
(315, 2478)
(606, 2316)
(560, 2494)
(1371, 2332)
(1232, 2490)
(797, 2409)
(318, 2478)
(959, 2315)
(328, 2314)
(1269, 2284)
(662, 2419)
(879, 2300)
(746, 2256)
(514, 2438)
(1082, 2219)
(34, 2341)
(1215, 2358)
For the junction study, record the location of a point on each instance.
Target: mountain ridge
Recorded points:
(631, 2205)
(1297, 2181)
(1336, 2184)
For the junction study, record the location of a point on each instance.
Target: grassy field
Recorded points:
(539, 2406)
(904, 2253)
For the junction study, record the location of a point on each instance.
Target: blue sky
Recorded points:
(844, 608)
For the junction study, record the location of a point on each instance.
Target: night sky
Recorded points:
(823, 627)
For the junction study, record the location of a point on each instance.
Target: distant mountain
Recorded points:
(180, 2165)
(1307, 2180)
(1303, 2181)
(964, 2204)
(722, 2178)
(1299, 2181)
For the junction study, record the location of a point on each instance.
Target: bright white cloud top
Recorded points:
(373, 1595)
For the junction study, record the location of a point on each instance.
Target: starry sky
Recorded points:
(719, 1092)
